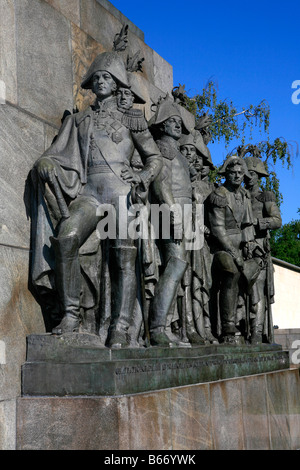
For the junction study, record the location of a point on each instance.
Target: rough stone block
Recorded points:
(44, 60)
(8, 59)
(145, 422)
(278, 411)
(99, 23)
(19, 315)
(293, 397)
(292, 338)
(7, 424)
(255, 413)
(163, 73)
(67, 424)
(22, 142)
(190, 418)
(226, 415)
(281, 338)
(123, 19)
(69, 8)
(203, 416)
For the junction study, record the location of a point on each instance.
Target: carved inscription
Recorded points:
(198, 363)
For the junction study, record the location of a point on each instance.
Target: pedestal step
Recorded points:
(78, 365)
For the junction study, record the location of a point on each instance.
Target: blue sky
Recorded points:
(252, 51)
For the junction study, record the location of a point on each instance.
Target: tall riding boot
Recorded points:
(68, 283)
(192, 335)
(124, 291)
(208, 334)
(257, 323)
(228, 305)
(165, 293)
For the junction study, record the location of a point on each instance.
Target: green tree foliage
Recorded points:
(228, 124)
(285, 242)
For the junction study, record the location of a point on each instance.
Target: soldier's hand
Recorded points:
(130, 175)
(46, 169)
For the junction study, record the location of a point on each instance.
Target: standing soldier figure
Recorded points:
(197, 153)
(172, 186)
(231, 225)
(266, 216)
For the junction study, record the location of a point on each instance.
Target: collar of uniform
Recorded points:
(166, 139)
(109, 103)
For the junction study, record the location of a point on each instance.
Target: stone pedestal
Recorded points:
(78, 364)
(258, 412)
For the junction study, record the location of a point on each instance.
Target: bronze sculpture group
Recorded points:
(107, 165)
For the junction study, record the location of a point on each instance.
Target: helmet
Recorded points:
(166, 109)
(234, 159)
(110, 62)
(257, 165)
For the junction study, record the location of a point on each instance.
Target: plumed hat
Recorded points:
(196, 139)
(208, 161)
(257, 165)
(110, 62)
(166, 109)
(234, 159)
(138, 98)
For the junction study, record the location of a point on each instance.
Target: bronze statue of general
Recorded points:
(88, 166)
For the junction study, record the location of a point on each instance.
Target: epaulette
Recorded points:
(266, 196)
(134, 120)
(218, 198)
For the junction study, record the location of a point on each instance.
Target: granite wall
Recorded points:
(260, 412)
(45, 49)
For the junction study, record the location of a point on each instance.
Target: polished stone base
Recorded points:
(257, 412)
(79, 365)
